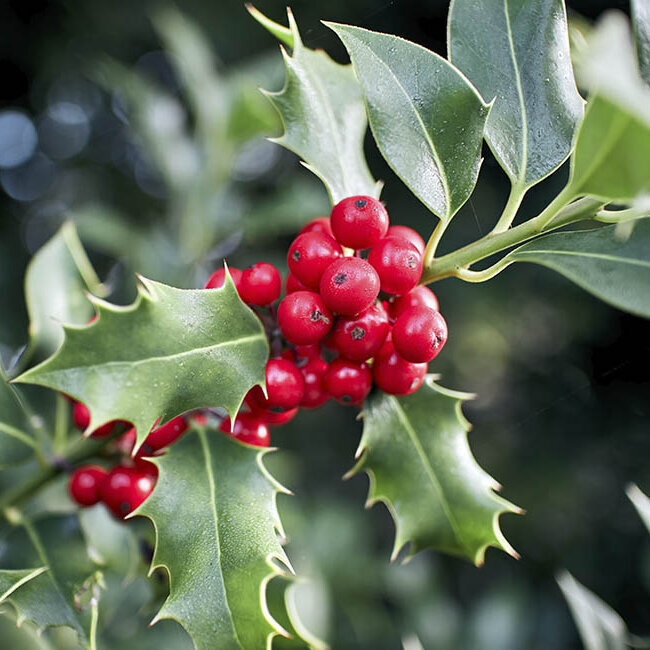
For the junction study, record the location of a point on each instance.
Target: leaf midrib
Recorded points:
(601, 256)
(429, 469)
(30, 576)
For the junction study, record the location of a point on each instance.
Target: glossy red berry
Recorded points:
(273, 419)
(315, 394)
(348, 382)
(419, 297)
(395, 375)
(359, 221)
(303, 317)
(124, 489)
(302, 354)
(218, 278)
(146, 467)
(360, 337)
(349, 286)
(85, 483)
(293, 284)
(320, 224)
(163, 436)
(284, 385)
(310, 254)
(404, 232)
(419, 334)
(80, 416)
(260, 284)
(249, 428)
(398, 264)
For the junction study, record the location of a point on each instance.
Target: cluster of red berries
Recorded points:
(332, 335)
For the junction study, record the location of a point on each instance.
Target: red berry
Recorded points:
(293, 284)
(394, 374)
(163, 436)
(359, 221)
(347, 382)
(303, 318)
(81, 416)
(249, 428)
(260, 284)
(145, 467)
(218, 278)
(276, 419)
(398, 263)
(349, 286)
(320, 224)
(419, 297)
(124, 489)
(310, 254)
(315, 394)
(284, 385)
(419, 334)
(125, 443)
(85, 483)
(404, 232)
(301, 354)
(360, 337)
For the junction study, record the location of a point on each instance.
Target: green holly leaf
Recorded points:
(16, 445)
(57, 278)
(323, 115)
(611, 266)
(51, 593)
(641, 23)
(517, 52)
(612, 153)
(217, 530)
(172, 350)
(415, 452)
(427, 119)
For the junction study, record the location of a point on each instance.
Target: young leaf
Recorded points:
(518, 53)
(641, 24)
(614, 269)
(172, 350)
(47, 594)
(55, 282)
(600, 627)
(427, 119)
(15, 444)
(323, 116)
(217, 530)
(415, 452)
(612, 159)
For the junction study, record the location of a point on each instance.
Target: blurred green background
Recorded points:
(143, 123)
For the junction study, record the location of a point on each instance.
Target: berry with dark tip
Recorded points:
(249, 429)
(404, 232)
(419, 334)
(395, 375)
(398, 264)
(310, 254)
(124, 489)
(348, 382)
(284, 386)
(163, 436)
(349, 286)
(360, 337)
(85, 483)
(359, 221)
(304, 318)
(260, 284)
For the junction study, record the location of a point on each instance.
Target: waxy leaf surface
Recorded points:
(427, 119)
(220, 553)
(612, 267)
(16, 444)
(323, 116)
(517, 53)
(415, 452)
(171, 351)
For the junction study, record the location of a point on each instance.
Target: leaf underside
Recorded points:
(426, 118)
(615, 269)
(517, 52)
(415, 452)
(171, 351)
(323, 116)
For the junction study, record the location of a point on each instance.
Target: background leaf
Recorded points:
(426, 118)
(221, 552)
(171, 351)
(641, 502)
(615, 269)
(415, 452)
(16, 445)
(641, 23)
(517, 52)
(324, 119)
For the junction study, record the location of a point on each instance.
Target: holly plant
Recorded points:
(177, 394)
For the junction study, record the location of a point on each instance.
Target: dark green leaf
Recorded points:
(323, 116)
(427, 119)
(223, 550)
(415, 452)
(517, 52)
(171, 351)
(613, 268)
(641, 23)
(55, 285)
(15, 444)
